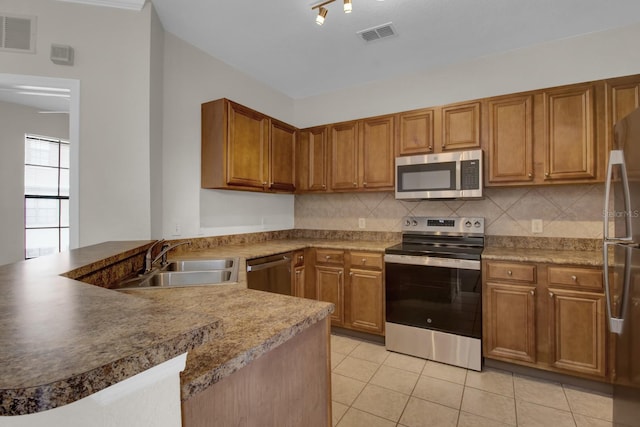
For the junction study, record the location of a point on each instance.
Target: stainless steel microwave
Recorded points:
(453, 175)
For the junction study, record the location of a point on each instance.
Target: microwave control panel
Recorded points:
(470, 174)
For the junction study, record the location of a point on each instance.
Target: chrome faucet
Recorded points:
(148, 257)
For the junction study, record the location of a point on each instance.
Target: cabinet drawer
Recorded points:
(584, 278)
(329, 256)
(513, 272)
(366, 259)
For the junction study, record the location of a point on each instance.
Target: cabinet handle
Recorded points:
(530, 175)
(574, 278)
(355, 184)
(364, 260)
(324, 186)
(264, 183)
(550, 294)
(431, 147)
(351, 273)
(327, 257)
(297, 272)
(301, 258)
(364, 184)
(546, 174)
(339, 273)
(444, 145)
(532, 292)
(509, 272)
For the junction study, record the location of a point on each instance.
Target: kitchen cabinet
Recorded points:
(510, 310)
(329, 280)
(354, 282)
(622, 97)
(242, 149)
(362, 154)
(433, 130)
(416, 132)
(460, 126)
(365, 293)
(509, 136)
(569, 138)
(545, 316)
(312, 160)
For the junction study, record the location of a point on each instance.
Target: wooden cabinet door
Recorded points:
(509, 322)
(622, 97)
(247, 147)
(416, 132)
(377, 153)
(330, 288)
(460, 126)
(577, 331)
(312, 159)
(282, 144)
(365, 301)
(344, 156)
(569, 133)
(510, 137)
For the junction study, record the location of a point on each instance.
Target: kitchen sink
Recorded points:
(201, 264)
(194, 272)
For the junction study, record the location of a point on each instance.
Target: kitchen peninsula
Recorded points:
(64, 340)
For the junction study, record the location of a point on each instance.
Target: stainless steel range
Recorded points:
(434, 290)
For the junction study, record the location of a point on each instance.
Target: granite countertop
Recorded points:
(63, 340)
(590, 258)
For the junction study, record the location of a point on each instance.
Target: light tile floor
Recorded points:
(372, 387)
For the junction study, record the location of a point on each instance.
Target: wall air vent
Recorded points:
(17, 33)
(378, 32)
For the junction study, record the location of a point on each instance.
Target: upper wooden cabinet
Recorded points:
(433, 130)
(460, 126)
(550, 136)
(510, 139)
(243, 149)
(569, 133)
(362, 154)
(622, 97)
(312, 159)
(416, 132)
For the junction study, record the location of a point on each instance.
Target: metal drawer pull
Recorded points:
(364, 260)
(328, 257)
(509, 272)
(532, 292)
(574, 278)
(551, 294)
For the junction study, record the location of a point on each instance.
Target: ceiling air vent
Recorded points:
(378, 32)
(17, 33)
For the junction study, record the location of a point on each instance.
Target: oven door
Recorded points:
(440, 294)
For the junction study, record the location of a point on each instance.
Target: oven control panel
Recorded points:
(446, 225)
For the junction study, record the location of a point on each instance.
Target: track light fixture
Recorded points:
(322, 11)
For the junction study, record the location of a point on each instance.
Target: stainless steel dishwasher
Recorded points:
(270, 274)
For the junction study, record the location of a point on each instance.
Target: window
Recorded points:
(46, 196)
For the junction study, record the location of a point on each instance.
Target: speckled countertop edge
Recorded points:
(590, 258)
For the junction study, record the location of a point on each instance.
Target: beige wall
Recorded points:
(112, 63)
(566, 211)
(15, 122)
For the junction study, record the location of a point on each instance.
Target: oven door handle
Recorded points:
(464, 264)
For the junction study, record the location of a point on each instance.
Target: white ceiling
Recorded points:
(277, 42)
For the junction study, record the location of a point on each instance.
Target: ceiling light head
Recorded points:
(322, 13)
(348, 7)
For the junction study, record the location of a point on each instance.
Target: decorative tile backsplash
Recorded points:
(565, 211)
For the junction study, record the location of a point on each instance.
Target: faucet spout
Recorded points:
(148, 263)
(166, 248)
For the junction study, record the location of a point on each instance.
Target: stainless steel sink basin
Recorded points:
(201, 264)
(194, 272)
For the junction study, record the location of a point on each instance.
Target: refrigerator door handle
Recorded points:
(616, 157)
(616, 323)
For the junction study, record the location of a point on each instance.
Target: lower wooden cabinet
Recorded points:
(353, 281)
(510, 328)
(551, 318)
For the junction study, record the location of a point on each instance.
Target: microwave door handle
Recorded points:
(616, 157)
(458, 175)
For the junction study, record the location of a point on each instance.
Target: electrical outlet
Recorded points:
(361, 223)
(536, 226)
(177, 229)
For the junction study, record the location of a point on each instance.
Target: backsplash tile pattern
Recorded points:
(566, 211)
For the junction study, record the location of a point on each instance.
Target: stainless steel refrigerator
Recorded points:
(622, 267)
